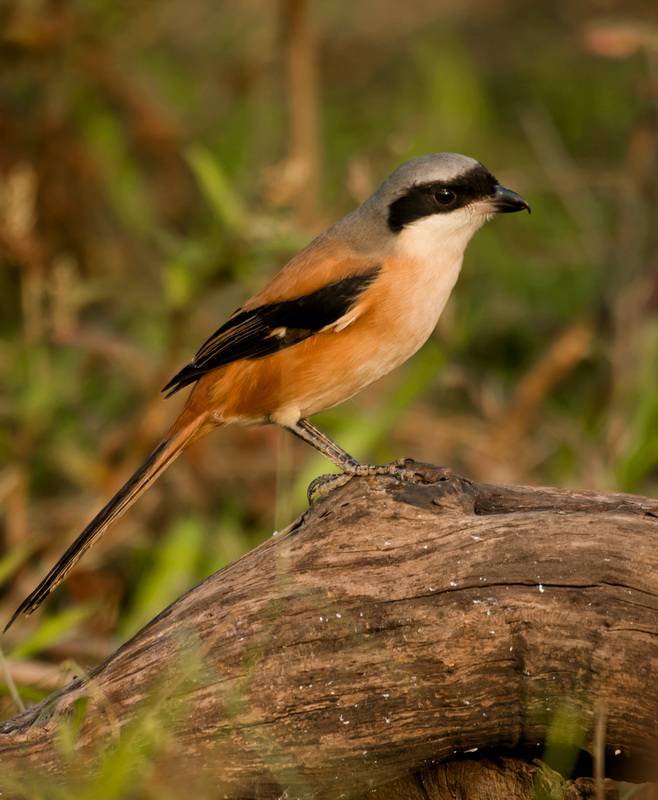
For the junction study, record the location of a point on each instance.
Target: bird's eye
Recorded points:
(444, 197)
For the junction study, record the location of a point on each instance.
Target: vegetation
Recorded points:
(150, 180)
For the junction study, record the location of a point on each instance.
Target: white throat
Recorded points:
(440, 239)
(433, 250)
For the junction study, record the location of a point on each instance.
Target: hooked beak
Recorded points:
(505, 201)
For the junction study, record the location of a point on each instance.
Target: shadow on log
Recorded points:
(390, 630)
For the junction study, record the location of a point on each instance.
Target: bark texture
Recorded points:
(392, 627)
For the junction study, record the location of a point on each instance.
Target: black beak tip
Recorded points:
(506, 201)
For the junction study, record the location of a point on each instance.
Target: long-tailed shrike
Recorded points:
(357, 302)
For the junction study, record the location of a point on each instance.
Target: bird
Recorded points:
(354, 304)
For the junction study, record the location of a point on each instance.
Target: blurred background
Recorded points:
(158, 161)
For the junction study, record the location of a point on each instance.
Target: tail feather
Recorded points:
(139, 481)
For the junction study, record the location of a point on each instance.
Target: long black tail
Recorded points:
(138, 482)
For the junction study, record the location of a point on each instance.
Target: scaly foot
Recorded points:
(323, 485)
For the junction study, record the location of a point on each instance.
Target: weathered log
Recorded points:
(500, 779)
(392, 626)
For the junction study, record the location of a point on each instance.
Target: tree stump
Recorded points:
(396, 636)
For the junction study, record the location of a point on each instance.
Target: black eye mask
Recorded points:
(440, 197)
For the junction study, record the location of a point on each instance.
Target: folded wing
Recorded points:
(255, 332)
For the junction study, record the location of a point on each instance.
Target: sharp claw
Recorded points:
(323, 485)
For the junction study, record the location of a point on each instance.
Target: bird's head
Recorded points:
(441, 199)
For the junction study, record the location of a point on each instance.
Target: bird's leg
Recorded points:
(306, 431)
(324, 484)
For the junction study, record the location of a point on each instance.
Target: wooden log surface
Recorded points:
(393, 626)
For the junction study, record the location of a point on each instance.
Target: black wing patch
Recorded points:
(266, 329)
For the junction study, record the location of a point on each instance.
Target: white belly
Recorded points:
(405, 320)
(421, 304)
(408, 297)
